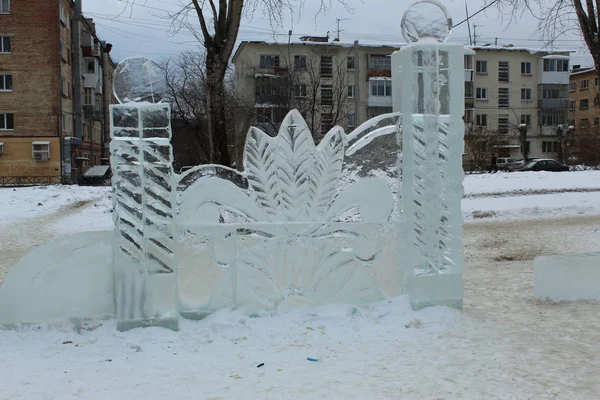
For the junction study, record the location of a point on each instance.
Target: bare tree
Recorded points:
(219, 23)
(480, 144)
(186, 91)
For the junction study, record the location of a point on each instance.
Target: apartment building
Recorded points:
(584, 115)
(513, 86)
(53, 91)
(584, 104)
(330, 83)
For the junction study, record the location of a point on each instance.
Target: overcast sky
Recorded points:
(144, 29)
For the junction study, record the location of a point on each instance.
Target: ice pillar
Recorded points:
(143, 199)
(430, 75)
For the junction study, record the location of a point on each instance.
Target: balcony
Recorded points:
(560, 104)
(92, 51)
(270, 72)
(469, 104)
(379, 73)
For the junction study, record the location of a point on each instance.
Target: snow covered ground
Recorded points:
(505, 345)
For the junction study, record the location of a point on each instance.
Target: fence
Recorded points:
(19, 181)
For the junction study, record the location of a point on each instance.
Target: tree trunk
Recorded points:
(215, 101)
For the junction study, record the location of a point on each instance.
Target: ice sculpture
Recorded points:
(143, 179)
(279, 235)
(430, 75)
(284, 232)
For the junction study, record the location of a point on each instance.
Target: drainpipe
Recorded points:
(77, 89)
(61, 141)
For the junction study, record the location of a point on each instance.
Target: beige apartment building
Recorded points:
(330, 83)
(54, 92)
(513, 86)
(584, 115)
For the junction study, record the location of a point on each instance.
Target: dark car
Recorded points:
(544, 165)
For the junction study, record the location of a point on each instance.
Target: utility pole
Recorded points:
(475, 33)
(338, 30)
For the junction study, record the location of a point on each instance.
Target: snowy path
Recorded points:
(18, 237)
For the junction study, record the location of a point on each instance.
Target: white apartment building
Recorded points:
(513, 86)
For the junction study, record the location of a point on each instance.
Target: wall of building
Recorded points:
(34, 100)
(17, 159)
(247, 64)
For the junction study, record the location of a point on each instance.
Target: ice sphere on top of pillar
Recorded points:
(426, 19)
(138, 79)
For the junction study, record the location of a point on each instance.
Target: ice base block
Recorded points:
(567, 277)
(435, 290)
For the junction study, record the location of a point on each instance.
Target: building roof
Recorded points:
(519, 48)
(582, 71)
(322, 44)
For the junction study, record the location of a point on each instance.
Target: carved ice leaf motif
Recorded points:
(328, 163)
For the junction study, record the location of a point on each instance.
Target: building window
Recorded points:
(572, 86)
(300, 62)
(88, 98)
(326, 66)
(1, 147)
(503, 71)
(269, 61)
(40, 151)
(572, 105)
(300, 90)
(584, 123)
(562, 65)
(381, 88)
(380, 62)
(549, 147)
(5, 83)
(554, 118)
(503, 97)
(63, 122)
(4, 6)
(481, 66)
(350, 63)
(595, 82)
(326, 95)
(597, 100)
(584, 84)
(503, 124)
(596, 121)
(468, 117)
(525, 94)
(481, 93)
(551, 94)
(5, 44)
(525, 68)
(7, 121)
(350, 91)
(351, 120)
(556, 65)
(526, 119)
(481, 120)
(583, 104)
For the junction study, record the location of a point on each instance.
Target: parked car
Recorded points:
(544, 165)
(506, 163)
